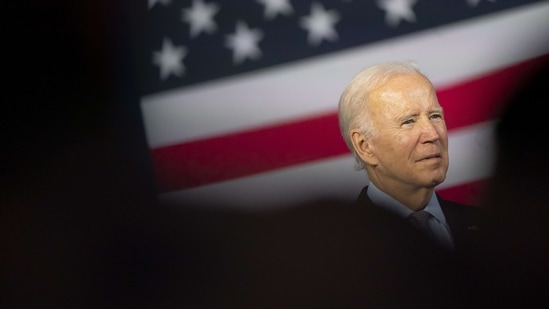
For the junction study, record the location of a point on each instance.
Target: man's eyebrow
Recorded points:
(407, 114)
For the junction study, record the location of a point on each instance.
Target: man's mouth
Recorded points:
(432, 156)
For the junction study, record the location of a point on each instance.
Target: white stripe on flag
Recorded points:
(470, 149)
(447, 54)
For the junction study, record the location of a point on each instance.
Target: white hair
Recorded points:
(353, 109)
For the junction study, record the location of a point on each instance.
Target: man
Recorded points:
(393, 123)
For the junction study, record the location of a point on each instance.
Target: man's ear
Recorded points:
(363, 147)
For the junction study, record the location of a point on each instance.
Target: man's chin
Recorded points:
(435, 181)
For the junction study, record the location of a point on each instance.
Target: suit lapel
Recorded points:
(462, 220)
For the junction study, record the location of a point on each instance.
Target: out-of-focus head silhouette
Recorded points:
(515, 246)
(518, 190)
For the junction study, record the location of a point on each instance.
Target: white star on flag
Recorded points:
(397, 10)
(170, 59)
(200, 17)
(474, 3)
(163, 2)
(275, 7)
(244, 43)
(320, 24)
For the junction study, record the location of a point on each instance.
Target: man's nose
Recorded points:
(429, 132)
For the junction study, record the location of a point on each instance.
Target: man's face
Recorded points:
(411, 147)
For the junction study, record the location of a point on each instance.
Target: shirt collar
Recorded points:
(382, 199)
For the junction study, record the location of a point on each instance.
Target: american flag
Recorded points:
(239, 98)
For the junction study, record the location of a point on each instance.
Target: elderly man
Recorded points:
(393, 123)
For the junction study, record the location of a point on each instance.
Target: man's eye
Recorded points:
(436, 116)
(409, 121)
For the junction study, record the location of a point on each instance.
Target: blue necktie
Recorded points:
(420, 219)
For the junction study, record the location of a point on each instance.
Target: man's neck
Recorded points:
(412, 197)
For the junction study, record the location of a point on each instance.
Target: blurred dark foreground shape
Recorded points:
(513, 254)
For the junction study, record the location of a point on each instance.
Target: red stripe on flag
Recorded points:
(471, 193)
(484, 98)
(240, 154)
(246, 153)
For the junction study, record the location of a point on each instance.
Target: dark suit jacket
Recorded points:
(462, 219)
(400, 259)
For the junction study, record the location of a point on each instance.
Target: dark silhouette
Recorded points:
(513, 254)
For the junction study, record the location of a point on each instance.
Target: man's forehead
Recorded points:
(409, 84)
(404, 108)
(395, 99)
(407, 110)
